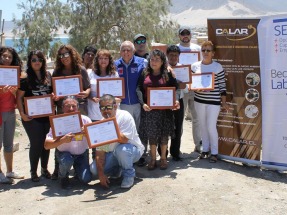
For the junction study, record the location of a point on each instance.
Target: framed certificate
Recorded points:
(162, 47)
(161, 97)
(189, 57)
(67, 85)
(10, 75)
(202, 81)
(113, 86)
(63, 124)
(183, 73)
(39, 106)
(102, 132)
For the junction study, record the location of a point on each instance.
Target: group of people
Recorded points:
(141, 127)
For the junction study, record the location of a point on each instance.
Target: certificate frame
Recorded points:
(195, 56)
(198, 86)
(186, 81)
(162, 47)
(52, 118)
(97, 125)
(50, 103)
(11, 69)
(59, 94)
(152, 90)
(101, 81)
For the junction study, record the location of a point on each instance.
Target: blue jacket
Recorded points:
(131, 74)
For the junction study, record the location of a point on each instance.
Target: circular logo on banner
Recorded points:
(252, 95)
(252, 79)
(251, 111)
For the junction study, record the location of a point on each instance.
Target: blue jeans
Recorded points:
(123, 157)
(79, 162)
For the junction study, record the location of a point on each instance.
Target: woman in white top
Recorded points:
(103, 68)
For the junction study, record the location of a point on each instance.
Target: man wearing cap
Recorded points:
(88, 56)
(184, 34)
(140, 46)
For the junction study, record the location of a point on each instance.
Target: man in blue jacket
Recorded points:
(130, 68)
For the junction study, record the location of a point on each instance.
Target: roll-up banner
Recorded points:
(272, 36)
(236, 48)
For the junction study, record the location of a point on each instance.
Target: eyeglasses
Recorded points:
(6, 57)
(65, 55)
(206, 50)
(126, 50)
(185, 33)
(34, 60)
(89, 54)
(140, 41)
(108, 107)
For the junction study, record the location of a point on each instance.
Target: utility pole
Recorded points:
(1, 27)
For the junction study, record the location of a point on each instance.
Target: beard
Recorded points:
(185, 40)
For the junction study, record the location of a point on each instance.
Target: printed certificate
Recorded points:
(202, 81)
(67, 85)
(10, 75)
(102, 132)
(188, 58)
(39, 106)
(113, 86)
(161, 97)
(183, 73)
(63, 124)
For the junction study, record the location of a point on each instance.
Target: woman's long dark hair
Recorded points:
(32, 78)
(163, 68)
(16, 61)
(75, 58)
(111, 70)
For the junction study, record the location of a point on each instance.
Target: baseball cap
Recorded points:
(182, 28)
(138, 36)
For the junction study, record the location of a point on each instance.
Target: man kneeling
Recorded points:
(117, 159)
(71, 150)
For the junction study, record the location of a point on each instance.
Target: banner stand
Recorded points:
(252, 162)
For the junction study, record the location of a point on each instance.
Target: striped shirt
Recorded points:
(213, 96)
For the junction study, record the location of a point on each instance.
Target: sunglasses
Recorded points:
(185, 33)
(108, 107)
(34, 60)
(140, 41)
(206, 50)
(65, 55)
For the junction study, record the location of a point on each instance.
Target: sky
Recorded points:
(9, 7)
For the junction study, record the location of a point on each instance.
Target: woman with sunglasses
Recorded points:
(208, 103)
(69, 63)
(156, 126)
(104, 67)
(8, 57)
(37, 83)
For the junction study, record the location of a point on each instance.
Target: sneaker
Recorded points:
(198, 148)
(14, 175)
(5, 180)
(15, 147)
(127, 182)
(65, 183)
(142, 162)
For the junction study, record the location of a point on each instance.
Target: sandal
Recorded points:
(45, 173)
(151, 165)
(213, 159)
(163, 164)
(203, 155)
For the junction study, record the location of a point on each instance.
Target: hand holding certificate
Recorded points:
(9, 76)
(161, 97)
(102, 132)
(39, 106)
(66, 123)
(67, 85)
(202, 81)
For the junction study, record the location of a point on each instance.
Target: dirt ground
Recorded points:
(190, 186)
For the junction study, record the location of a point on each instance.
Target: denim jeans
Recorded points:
(122, 158)
(79, 162)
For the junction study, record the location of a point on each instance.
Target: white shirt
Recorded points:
(128, 128)
(93, 107)
(75, 147)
